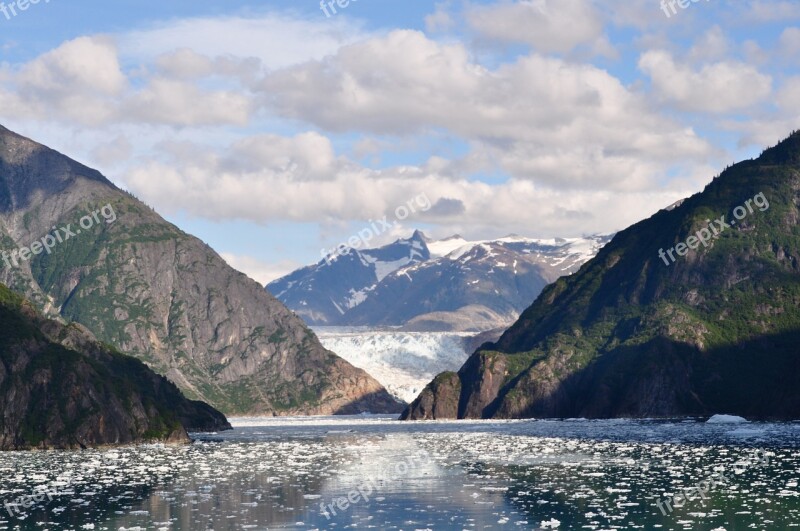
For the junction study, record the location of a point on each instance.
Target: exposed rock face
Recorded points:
(60, 388)
(439, 400)
(161, 295)
(630, 336)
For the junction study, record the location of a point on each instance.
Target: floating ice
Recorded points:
(726, 419)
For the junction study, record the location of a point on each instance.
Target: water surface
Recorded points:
(374, 472)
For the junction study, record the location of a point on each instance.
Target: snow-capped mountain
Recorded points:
(425, 285)
(323, 293)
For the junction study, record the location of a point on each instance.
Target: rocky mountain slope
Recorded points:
(426, 285)
(141, 284)
(61, 388)
(636, 334)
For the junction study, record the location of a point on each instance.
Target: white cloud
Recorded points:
(771, 10)
(789, 42)
(717, 88)
(80, 80)
(307, 156)
(547, 25)
(570, 146)
(260, 271)
(156, 76)
(789, 96)
(275, 39)
(546, 119)
(112, 152)
(439, 20)
(171, 102)
(712, 46)
(222, 186)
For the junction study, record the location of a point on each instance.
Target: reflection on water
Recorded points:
(373, 472)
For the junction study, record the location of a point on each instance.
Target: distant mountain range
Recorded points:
(692, 312)
(426, 285)
(152, 291)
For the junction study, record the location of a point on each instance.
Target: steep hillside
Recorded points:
(144, 286)
(60, 388)
(636, 334)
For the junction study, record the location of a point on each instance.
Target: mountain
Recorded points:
(426, 285)
(141, 284)
(637, 334)
(323, 292)
(61, 388)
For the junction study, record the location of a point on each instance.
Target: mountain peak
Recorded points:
(419, 235)
(786, 152)
(28, 168)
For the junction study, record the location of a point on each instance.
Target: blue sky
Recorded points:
(272, 131)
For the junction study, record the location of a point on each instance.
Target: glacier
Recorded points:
(403, 362)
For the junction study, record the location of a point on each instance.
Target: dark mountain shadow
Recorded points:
(379, 401)
(758, 379)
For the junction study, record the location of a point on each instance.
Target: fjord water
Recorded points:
(279, 473)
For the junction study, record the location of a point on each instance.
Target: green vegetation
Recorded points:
(726, 314)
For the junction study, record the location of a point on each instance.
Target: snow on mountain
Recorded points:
(441, 248)
(425, 285)
(324, 292)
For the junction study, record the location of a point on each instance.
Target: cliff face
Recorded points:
(139, 283)
(61, 388)
(636, 334)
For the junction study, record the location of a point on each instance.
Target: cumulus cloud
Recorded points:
(789, 96)
(82, 82)
(112, 152)
(720, 87)
(439, 20)
(172, 102)
(771, 10)
(789, 42)
(550, 26)
(254, 36)
(265, 188)
(536, 118)
(256, 117)
(714, 45)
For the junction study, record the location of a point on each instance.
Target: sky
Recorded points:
(276, 130)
